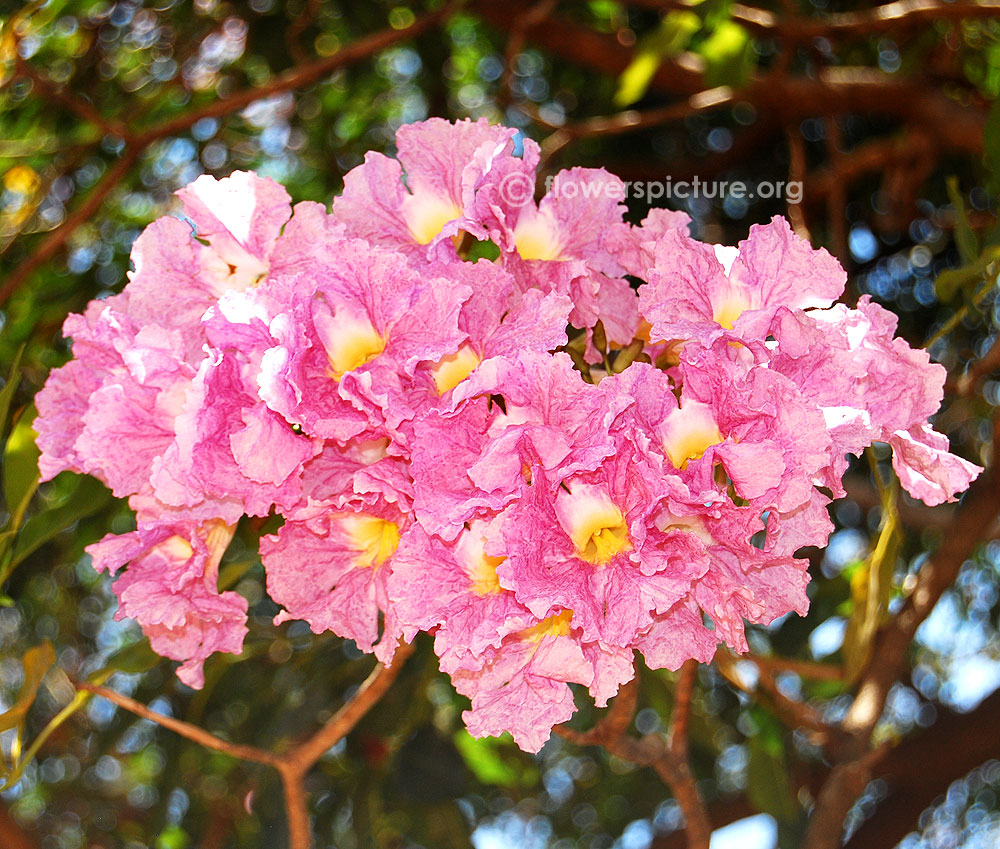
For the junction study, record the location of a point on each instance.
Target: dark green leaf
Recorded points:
(965, 238)
(991, 147)
(9, 388)
(767, 779)
(89, 497)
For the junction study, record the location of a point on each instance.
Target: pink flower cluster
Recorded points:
(441, 463)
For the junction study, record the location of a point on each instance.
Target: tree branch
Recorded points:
(138, 140)
(51, 244)
(651, 750)
(973, 523)
(191, 732)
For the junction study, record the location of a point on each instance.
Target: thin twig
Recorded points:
(680, 717)
(796, 174)
(517, 34)
(836, 199)
(138, 140)
(792, 713)
(632, 120)
(651, 750)
(192, 732)
(51, 244)
(973, 523)
(82, 108)
(304, 755)
(614, 724)
(803, 668)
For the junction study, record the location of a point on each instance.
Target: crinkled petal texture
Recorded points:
(423, 426)
(179, 274)
(523, 686)
(590, 544)
(330, 568)
(572, 243)
(347, 339)
(452, 589)
(170, 588)
(445, 165)
(871, 385)
(695, 289)
(478, 458)
(111, 411)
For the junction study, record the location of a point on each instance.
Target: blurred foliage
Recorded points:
(83, 80)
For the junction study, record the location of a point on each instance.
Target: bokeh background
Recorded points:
(883, 113)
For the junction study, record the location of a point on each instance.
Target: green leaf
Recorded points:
(871, 588)
(954, 280)
(768, 786)
(87, 498)
(172, 837)
(132, 659)
(965, 238)
(729, 55)
(20, 466)
(9, 388)
(37, 661)
(483, 758)
(991, 147)
(671, 38)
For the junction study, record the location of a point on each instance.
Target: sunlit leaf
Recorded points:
(729, 55)
(871, 588)
(483, 757)
(37, 661)
(965, 279)
(673, 36)
(20, 465)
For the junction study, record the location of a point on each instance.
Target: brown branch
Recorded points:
(530, 17)
(615, 722)
(51, 244)
(584, 46)
(138, 140)
(799, 29)
(304, 755)
(297, 27)
(794, 714)
(920, 769)
(879, 19)
(82, 108)
(836, 199)
(680, 717)
(298, 77)
(297, 762)
(651, 750)
(973, 523)
(796, 174)
(978, 371)
(803, 668)
(293, 765)
(632, 120)
(185, 729)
